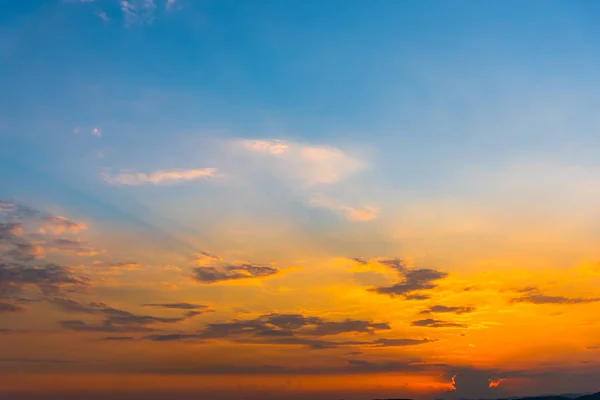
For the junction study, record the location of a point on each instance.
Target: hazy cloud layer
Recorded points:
(354, 214)
(308, 164)
(161, 177)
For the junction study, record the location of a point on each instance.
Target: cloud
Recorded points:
(170, 3)
(10, 308)
(97, 132)
(445, 309)
(397, 264)
(58, 225)
(103, 16)
(414, 280)
(179, 306)
(350, 213)
(283, 329)
(119, 338)
(232, 272)
(158, 177)
(308, 164)
(49, 278)
(115, 268)
(115, 320)
(106, 326)
(21, 262)
(138, 12)
(472, 384)
(70, 246)
(401, 342)
(434, 323)
(534, 296)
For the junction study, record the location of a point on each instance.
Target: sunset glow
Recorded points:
(299, 199)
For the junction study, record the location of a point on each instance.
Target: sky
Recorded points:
(299, 199)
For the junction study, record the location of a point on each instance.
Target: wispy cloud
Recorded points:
(57, 225)
(534, 296)
(351, 213)
(446, 309)
(435, 323)
(308, 164)
(158, 177)
(170, 3)
(138, 11)
(103, 16)
(97, 132)
(232, 272)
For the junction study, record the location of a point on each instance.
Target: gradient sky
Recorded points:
(299, 199)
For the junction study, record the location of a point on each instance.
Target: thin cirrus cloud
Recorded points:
(159, 177)
(366, 213)
(309, 164)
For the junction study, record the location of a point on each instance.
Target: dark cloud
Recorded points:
(171, 337)
(284, 329)
(414, 280)
(119, 338)
(180, 306)
(315, 344)
(311, 326)
(10, 308)
(105, 326)
(446, 309)
(116, 320)
(534, 296)
(21, 258)
(398, 264)
(416, 296)
(12, 211)
(401, 342)
(472, 384)
(71, 246)
(232, 272)
(434, 323)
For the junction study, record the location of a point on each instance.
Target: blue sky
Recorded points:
(294, 136)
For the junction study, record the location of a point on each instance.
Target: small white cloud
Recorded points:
(366, 213)
(97, 132)
(158, 177)
(76, 130)
(170, 3)
(309, 164)
(103, 16)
